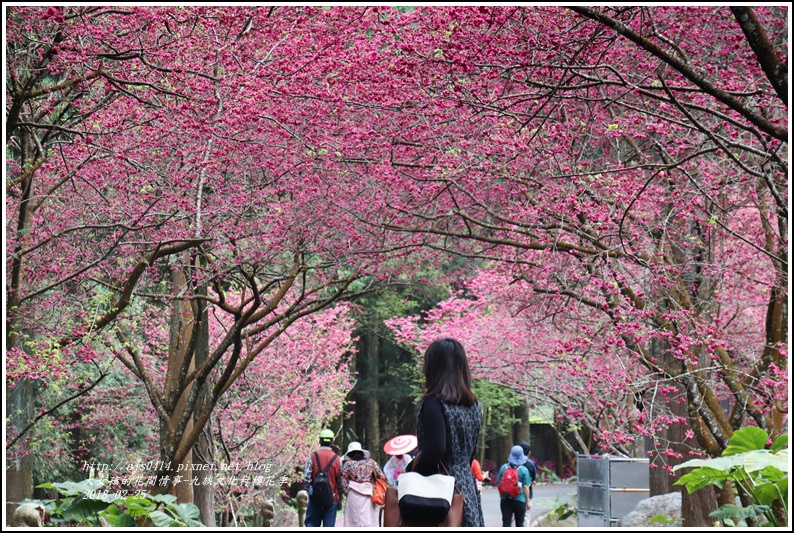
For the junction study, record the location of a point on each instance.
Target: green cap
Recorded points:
(327, 434)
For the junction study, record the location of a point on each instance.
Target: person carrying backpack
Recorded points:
(513, 481)
(321, 476)
(531, 466)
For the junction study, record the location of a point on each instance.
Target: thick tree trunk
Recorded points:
(502, 444)
(521, 427)
(182, 322)
(367, 406)
(20, 401)
(370, 365)
(559, 456)
(359, 394)
(203, 489)
(661, 482)
(203, 451)
(349, 422)
(482, 443)
(695, 507)
(19, 472)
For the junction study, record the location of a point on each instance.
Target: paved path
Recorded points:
(547, 497)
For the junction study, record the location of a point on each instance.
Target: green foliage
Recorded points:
(497, 402)
(728, 512)
(84, 503)
(746, 440)
(387, 304)
(116, 411)
(662, 519)
(398, 379)
(495, 396)
(562, 510)
(546, 475)
(70, 488)
(407, 381)
(762, 473)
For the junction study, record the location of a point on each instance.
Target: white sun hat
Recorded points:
(355, 446)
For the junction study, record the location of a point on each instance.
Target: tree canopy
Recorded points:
(191, 191)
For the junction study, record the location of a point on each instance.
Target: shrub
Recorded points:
(86, 503)
(760, 472)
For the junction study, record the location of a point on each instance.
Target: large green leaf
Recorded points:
(49, 505)
(112, 510)
(770, 473)
(83, 508)
(139, 506)
(189, 513)
(761, 459)
(70, 488)
(164, 498)
(781, 443)
(125, 520)
(728, 511)
(746, 439)
(121, 520)
(766, 493)
(702, 477)
(783, 455)
(721, 463)
(161, 519)
(782, 487)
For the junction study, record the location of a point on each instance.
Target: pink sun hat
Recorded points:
(400, 445)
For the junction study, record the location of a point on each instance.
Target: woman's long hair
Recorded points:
(447, 374)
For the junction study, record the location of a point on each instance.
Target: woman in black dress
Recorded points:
(448, 424)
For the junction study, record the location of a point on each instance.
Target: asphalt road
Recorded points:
(547, 497)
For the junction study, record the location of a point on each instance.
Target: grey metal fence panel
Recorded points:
(608, 488)
(622, 502)
(592, 498)
(591, 469)
(629, 474)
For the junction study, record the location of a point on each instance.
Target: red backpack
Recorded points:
(508, 485)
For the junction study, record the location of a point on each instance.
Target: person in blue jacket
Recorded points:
(516, 506)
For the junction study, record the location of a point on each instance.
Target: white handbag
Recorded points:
(425, 498)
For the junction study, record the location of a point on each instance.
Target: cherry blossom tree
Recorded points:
(164, 156)
(629, 164)
(49, 248)
(566, 362)
(284, 398)
(635, 166)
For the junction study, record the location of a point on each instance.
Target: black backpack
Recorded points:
(322, 495)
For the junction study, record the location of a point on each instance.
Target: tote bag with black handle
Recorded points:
(425, 498)
(428, 501)
(391, 517)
